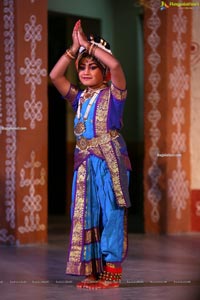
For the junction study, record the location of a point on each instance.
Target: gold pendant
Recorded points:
(79, 129)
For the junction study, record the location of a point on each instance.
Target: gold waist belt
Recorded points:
(84, 144)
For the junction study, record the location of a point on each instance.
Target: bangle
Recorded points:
(91, 49)
(69, 54)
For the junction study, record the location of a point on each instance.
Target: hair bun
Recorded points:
(99, 41)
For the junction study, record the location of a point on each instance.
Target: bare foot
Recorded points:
(103, 284)
(91, 279)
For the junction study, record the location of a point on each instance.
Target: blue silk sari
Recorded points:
(99, 224)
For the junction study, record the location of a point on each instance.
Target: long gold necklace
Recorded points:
(80, 126)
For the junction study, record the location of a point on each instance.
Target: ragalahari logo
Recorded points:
(187, 5)
(163, 5)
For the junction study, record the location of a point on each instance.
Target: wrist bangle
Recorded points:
(68, 53)
(91, 49)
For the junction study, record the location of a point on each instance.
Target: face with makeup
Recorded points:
(90, 73)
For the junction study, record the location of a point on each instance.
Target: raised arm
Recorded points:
(117, 74)
(57, 74)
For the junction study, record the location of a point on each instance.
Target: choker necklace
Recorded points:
(80, 127)
(89, 92)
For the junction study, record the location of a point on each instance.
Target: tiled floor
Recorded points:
(157, 268)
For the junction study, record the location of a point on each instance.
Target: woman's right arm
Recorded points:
(57, 74)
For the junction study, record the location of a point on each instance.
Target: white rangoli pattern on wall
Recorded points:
(154, 172)
(5, 237)
(178, 185)
(33, 72)
(32, 201)
(10, 118)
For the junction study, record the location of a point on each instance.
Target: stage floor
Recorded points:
(157, 268)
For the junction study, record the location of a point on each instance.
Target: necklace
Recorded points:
(80, 127)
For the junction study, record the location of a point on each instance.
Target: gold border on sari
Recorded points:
(118, 94)
(72, 93)
(79, 236)
(107, 148)
(91, 235)
(102, 113)
(93, 267)
(112, 163)
(74, 264)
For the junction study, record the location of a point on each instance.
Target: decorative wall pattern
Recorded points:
(32, 201)
(178, 185)
(5, 237)
(33, 72)
(23, 97)
(32, 184)
(167, 38)
(7, 122)
(154, 194)
(10, 100)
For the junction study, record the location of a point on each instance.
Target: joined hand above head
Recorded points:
(78, 35)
